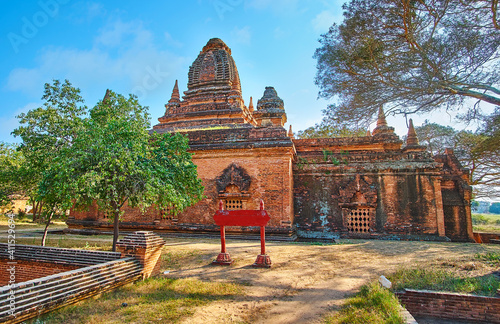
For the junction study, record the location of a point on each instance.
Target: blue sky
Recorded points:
(143, 47)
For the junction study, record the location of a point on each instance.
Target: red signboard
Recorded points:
(259, 218)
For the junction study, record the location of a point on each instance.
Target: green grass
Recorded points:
(429, 278)
(177, 259)
(492, 258)
(26, 222)
(156, 300)
(373, 304)
(486, 223)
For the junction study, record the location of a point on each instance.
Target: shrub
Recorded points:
(478, 219)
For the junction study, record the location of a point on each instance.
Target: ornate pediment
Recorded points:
(233, 175)
(358, 192)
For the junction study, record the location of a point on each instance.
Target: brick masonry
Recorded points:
(451, 306)
(29, 270)
(315, 188)
(48, 278)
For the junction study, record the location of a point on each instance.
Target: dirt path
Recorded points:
(305, 281)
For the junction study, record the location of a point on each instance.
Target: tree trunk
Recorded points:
(35, 209)
(47, 227)
(115, 228)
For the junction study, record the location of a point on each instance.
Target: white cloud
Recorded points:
(322, 22)
(242, 35)
(123, 52)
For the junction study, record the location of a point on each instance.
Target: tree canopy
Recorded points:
(471, 151)
(116, 161)
(412, 56)
(105, 155)
(10, 162)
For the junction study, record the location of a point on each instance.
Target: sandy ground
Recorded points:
(305, 281)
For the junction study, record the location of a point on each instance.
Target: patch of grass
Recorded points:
(479, 219)
(101, 242)
(373, 304)
(443, 280)
(486, 223)
(492, 258)
(156, 300)
(178, 259)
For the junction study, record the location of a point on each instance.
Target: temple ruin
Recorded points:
(374, 186)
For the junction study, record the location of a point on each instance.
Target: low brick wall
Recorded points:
(38, 279)
(480, 237)
(29, 270)
(451, 305)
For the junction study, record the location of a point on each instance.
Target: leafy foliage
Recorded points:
(47, 135)
(75, 157)
(411, 57)
(116, 161)
(325, 129)
(472, 150)
(10, 162)
(495, 208)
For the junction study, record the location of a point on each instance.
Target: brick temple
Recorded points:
(374, 186)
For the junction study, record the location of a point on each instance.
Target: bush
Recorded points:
(478, 219)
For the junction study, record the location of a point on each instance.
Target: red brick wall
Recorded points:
(451, 306)
(270, 170)
(29, 270)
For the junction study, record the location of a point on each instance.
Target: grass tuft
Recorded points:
(373, 304)
(443, 280)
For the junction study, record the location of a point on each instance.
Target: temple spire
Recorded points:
(382, 127)
(175, 94)
(411, 139)
(250, 105)
(107, 95)
(368, 133)
(381, 121)
(290, 132)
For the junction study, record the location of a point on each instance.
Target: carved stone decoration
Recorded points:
(233, 175)
(358, 192)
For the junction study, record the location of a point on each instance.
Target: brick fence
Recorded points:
(451, 305)
(90, 273)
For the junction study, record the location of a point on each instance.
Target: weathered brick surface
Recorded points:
(145, 247)
(29, 270)
(451, 306)
(311, 186)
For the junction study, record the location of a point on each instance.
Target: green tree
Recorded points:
(410, 56)
(324, 130)
(495, 208)
(10, 163)
(469, 148)
(436, 137)
(47, 134)
(116, 161)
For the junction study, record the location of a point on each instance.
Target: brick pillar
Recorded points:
(146, 247)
